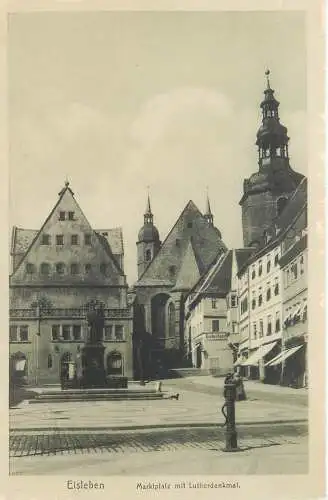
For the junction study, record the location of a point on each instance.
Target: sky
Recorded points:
(118, 101)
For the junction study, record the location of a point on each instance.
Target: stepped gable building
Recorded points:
(58, 273)
(267, 190)
(211, 312)
(167, 271)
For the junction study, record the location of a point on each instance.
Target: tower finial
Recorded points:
(148, 208)
(267, 74)
(208, 212)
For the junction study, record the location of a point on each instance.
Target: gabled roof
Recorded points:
(217, 280)
(114, 237)
(23, 241)
(191, 229)
(189, 270)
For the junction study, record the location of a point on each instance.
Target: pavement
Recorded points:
(135, 437)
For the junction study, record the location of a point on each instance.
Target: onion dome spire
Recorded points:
(272, 139)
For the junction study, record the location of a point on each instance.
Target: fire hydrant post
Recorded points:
(231, 433)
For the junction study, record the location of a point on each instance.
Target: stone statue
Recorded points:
(96, 322)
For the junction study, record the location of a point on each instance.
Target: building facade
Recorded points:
(59, 273)
(211, 315)
(167, 271)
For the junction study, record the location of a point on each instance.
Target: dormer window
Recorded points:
(61, 215)
(70, 215)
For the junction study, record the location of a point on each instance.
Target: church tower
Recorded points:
(148, 241)
(267, 191)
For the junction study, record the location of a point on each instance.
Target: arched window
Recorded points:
(281, 203)
(114, 363)
(49, 361)
(45, 269)
(60, 268)
(148, 255)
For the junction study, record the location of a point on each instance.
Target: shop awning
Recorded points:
(284, 355)
(258, 354)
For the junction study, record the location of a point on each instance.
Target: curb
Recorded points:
(155, 426)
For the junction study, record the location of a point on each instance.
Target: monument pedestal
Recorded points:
(94, 374)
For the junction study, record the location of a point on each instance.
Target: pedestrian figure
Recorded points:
(228, 378)
(240, 390)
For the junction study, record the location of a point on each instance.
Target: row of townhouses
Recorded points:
(250, 309)
(195, 303)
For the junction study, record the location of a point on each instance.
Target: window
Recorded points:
(293, 270)
(13, 333)
(45, 239)
(177, 242)
(260, 268)
(234, 327)
(62, 215)
(268, 294)
(87, 268)
(268, 266)
(45, 268)
(108, 332)
(148, 255)
(66, 332)
(49, 361)
(253, 300)
(254, 330)
(59, 239)
(119, 332)
(276, 286)
(260, 297)
(233, 300)
(77, 332)
(23, 333)
(277, 329)
(87, 239)
(214, 303)
(55, 331)
(244, 305)
(269, 325)
(30, 268)
(189, 224)
(70, 215)
(261, 328)
(215, 325)
(301, 264)
(304, 318)
(74, 269)
(75, 239)
(103, 269)
(276, 259)
(253, 273)
(60, 268)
